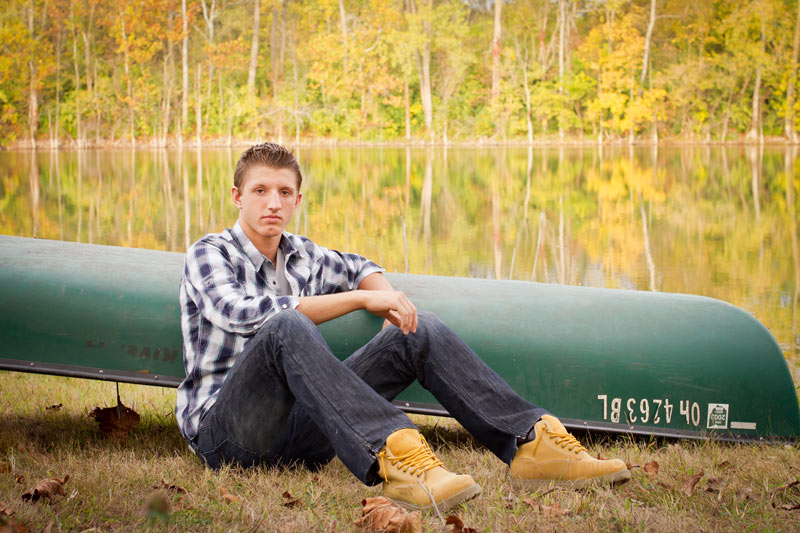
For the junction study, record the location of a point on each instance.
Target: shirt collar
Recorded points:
(257, 258)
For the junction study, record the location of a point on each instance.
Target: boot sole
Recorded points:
(620, 476)
(448, 503)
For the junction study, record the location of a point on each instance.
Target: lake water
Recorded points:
(719, 222)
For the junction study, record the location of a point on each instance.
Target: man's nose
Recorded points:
(273, 200)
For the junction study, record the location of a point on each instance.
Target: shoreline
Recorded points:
(544, 142)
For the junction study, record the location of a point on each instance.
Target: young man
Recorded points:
(262, 386)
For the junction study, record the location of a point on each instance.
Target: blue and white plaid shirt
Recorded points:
(229, 289)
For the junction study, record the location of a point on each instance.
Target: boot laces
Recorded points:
(414, 462)
(566, 440)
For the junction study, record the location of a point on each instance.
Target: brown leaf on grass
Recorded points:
(46, 488)
(9, 525)
(381, 515)
(5, 509)
(171, 487)
(19, 479)
(664, 485)
(690, 482)
(554, 510)
(232, 498)
(724, 464)
(715, 484)
(600, 457)
(790, 507)
(291, 502)
(745, 494)
(4, 467)
(787, 485)
(458, 525)
(630, 465)
(54, 407)
(651, 468)
(115, 421)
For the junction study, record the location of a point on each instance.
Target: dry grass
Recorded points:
(111, 485)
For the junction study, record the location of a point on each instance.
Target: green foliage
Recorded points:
(95, 66)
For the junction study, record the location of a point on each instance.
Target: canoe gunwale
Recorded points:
(137, 378)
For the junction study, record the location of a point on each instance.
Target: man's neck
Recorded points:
(266, 245)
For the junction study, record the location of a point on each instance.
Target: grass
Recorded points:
(116, 484)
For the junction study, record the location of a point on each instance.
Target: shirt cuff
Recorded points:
(287, 302)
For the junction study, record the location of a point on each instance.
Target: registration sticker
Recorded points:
(717, 416)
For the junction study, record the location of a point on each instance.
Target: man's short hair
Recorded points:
(269, 155)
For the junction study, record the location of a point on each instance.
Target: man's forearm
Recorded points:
(329, 306)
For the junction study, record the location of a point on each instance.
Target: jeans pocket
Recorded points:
(228, 452)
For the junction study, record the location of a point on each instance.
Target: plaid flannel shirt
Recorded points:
(228, 291)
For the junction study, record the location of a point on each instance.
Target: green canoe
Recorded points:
(608, 360)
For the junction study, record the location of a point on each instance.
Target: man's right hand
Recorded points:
(392, 305)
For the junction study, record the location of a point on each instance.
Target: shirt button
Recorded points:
(274, 282)
(284, 306)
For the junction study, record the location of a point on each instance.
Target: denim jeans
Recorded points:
(288, 400)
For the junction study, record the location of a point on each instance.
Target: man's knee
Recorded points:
(428, 322)
(290, 320)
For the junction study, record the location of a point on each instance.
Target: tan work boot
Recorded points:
(556, 458)
(414, 478)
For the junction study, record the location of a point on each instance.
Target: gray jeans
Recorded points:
(289, 400)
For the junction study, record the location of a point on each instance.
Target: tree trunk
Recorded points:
(647, 38)
(343, 22)
(33, 93)
(498, 28)
(55, 145)
(425, 77)
(562, 41)
(129, 87)
(198, 109)
(755, 134)
(184, 71)
(78, 132)
(407, 105)
(528, 121)
(251, 72)
(789, 129)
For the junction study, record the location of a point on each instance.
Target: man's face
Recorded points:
(266, 200)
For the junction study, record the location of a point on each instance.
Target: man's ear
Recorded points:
(299, 197)
(237, 197)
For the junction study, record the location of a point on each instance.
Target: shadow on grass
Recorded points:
(53, 432)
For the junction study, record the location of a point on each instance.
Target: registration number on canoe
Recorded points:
(649, 410)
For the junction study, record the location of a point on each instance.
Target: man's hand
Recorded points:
(392, 305)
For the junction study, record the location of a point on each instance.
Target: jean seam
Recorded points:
(364, 441)
(489, 421)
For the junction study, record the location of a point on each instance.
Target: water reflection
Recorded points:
(703, 220)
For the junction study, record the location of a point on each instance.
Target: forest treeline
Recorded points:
(157, 72)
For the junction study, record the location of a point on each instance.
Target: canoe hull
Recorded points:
(610, 360)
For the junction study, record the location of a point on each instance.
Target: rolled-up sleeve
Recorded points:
(220, 296)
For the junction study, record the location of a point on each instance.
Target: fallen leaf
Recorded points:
(9, 525)
(600, 457)
(46, 488)
(458, 525)
(381, 515)
(664, 485)
(54, 407)
(171, 487)
(5, 509)
(715, 484)
(19, 479)
(115, 421)
(4, 467)
(554, 510)
(630, 465)
(787, 486)
(291, 502)
(651, 468)
(690, 482)
(745, 494)
(790, 507)
(724, 464)
(232, 498)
